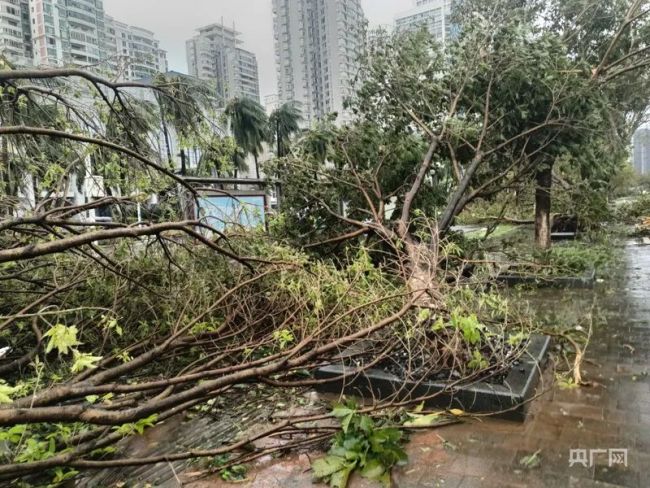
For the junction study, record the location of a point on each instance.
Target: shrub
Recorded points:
(639, 207)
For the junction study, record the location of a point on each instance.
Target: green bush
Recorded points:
(630, 212)
(577, 257)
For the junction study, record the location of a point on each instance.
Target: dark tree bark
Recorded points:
(183, 163)
(277, 137)
(544, 180)
(455, 203)
(168, 146)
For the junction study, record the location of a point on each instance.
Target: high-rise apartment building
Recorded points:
(318, 44)
(215, 54)
(271, 103)
(68, 32)
(15, 32)
(76, 32)
(435, 15)
(641, 156)
(133, 53)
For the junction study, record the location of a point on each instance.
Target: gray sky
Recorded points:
(174, 21)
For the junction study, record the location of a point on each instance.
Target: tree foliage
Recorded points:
(249, 126)
(510, 95)
(283, 123)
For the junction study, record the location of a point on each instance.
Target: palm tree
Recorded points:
(318, 142)
(283, 123)
(248, 123)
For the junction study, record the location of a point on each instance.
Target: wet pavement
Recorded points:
(612, 414)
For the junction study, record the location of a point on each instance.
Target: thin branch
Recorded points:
(40, 131)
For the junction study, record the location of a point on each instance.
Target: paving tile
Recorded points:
(589, 483)
(474, 482)
(471, 466)
(615, 475)
(435, 481)
(580, 410)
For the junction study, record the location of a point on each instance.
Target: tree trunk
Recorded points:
(167, 141)
(454, 206)
(183, 163)
(544, 179)
(5, 173)
(420, 271)
(257, 167)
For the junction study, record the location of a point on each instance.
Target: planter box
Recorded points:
(481, 397)
(585, 281)
(564, 236)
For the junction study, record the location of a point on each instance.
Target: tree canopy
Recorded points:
(283, 123)
(490, 111)
(249, 125)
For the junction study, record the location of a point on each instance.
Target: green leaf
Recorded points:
(532, 461)
(360, 445)
(5, 392)
(62, 338)
(439, 325)
(92, 398)
(392, 434)
(111, 324)
(149, 421)
(13, 435)
(340, 478)
(345, 415)
(424, 315)
(139, 426)
(478, 361)
(354, 447)
(235, 473)
(373, 470)
(422, 420)
(327, 466)
(385, 480)
(516, 339)
(345, 423)
(60, 475)
(340, 411)
(366, 424)
(34, 450)
(84, 361)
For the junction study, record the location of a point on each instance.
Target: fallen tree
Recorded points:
(112, 327)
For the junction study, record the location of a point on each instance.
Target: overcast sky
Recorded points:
(174, 21)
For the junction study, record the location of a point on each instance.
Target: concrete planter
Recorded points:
(508, 400)
(587, 280)
(564, 236)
